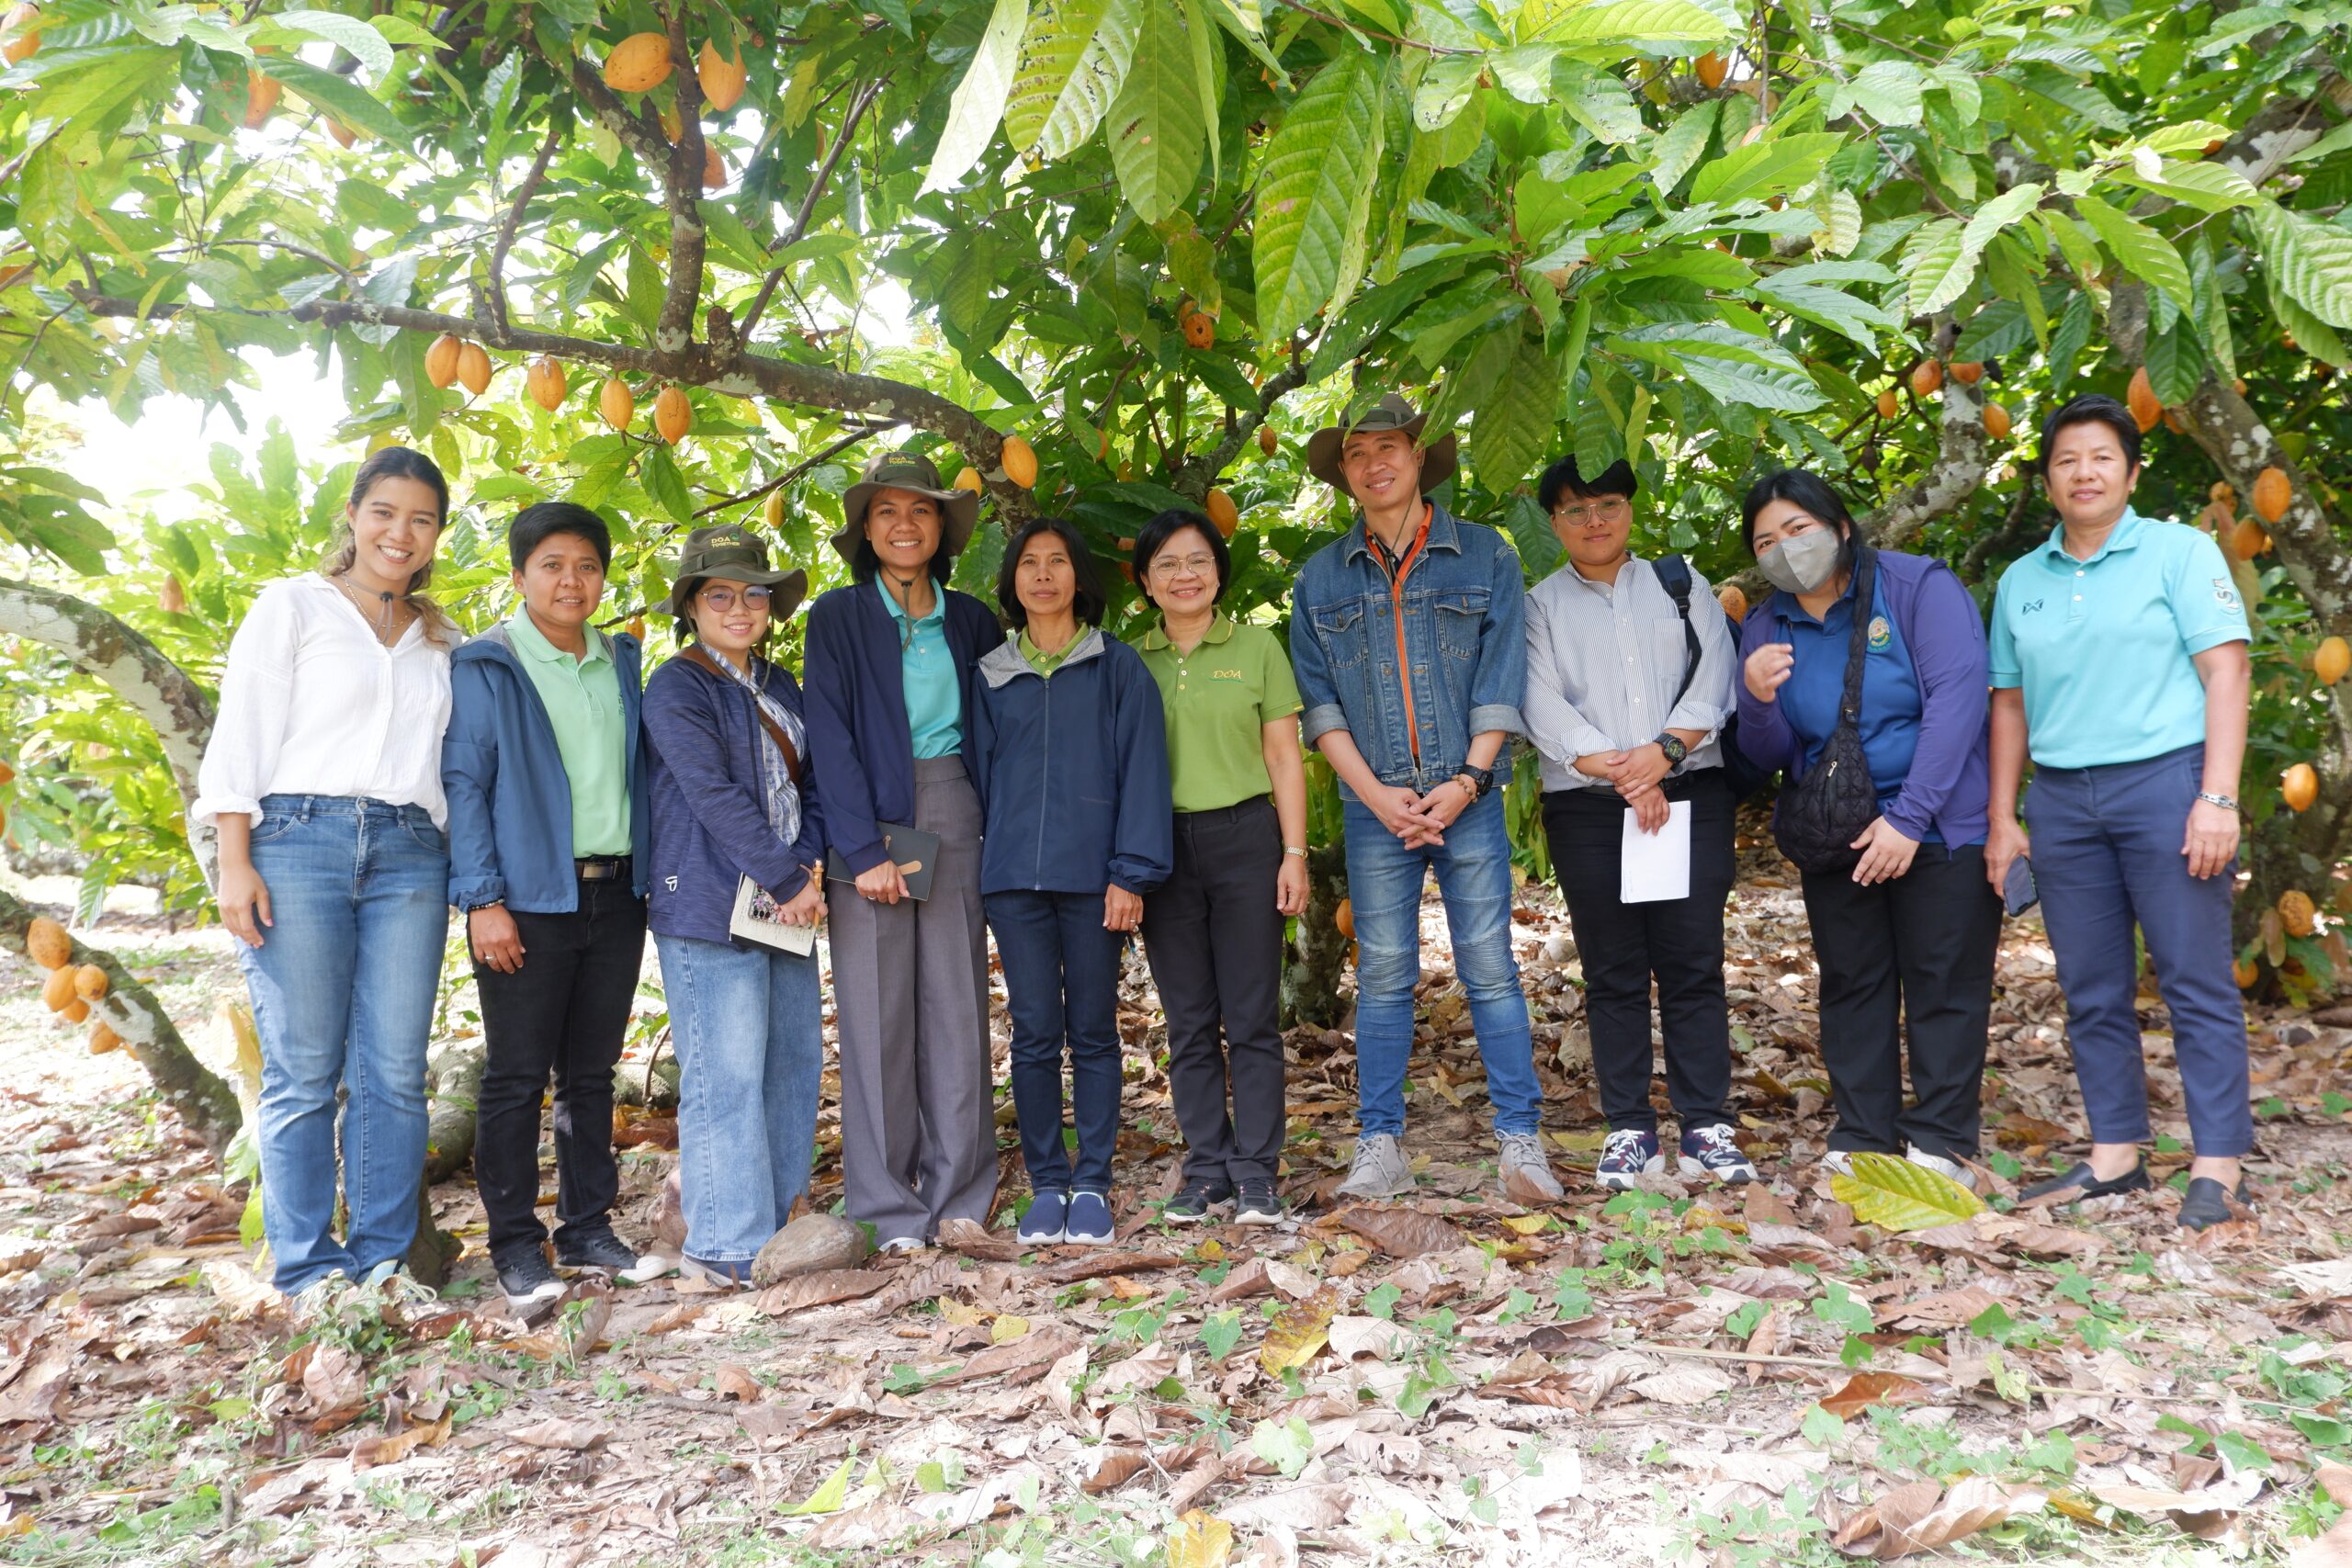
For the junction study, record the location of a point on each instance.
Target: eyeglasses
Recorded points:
(723, 599)
(1177, 566)
(1604, 509)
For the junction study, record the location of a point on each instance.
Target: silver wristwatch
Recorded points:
(2226, 802)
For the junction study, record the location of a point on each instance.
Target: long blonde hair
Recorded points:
(402, 463)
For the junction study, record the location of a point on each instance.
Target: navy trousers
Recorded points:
(1061, 986)
(2107, 857)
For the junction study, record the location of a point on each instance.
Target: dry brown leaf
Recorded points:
(1250, 1279)
(333, 1378)
(2335, 1480)
(1406, 1233)
(1758, 1204)
(1118, 1467)
(2332, 1550)
(1030, 1353)
(1943, 1309)
(391, 1447)
(1865, 1389)
(735, 1382)
(968, 1235)
(555, 1432)
(1297, 1335)
(677, 1317)
(240, 1293)
(1684, 1382)
(1095, 1265)
(1289, 1280)
(1765, 1341)
(823, 1288)
(1355, 1336)
(1318, 1507)
(38, 1393)
(1922, 1518)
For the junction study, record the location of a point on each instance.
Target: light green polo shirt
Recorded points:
(583, 698)
(927, 670)
(2104, 648)
(1045, 663)
(1217, 700)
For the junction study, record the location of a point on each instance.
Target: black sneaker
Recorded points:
(530, 1285)
(1258, 1205)
(2079, 1183)
(598, 1252)
(1195, 1200)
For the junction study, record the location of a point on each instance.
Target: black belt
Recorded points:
(603, 868)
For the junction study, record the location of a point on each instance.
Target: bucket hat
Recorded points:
(913, 471)
(728, 552)
(1391, 412)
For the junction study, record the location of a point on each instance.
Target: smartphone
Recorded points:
(2018, 892)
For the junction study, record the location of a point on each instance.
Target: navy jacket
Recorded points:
(1074, 772)
(510, 802)
(710, 825)
(860, 745)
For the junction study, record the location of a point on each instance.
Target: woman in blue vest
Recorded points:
(549, 834)
(2120, 668)
(890, 662)
(1073, 750)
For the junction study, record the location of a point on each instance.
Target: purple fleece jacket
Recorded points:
(1950, 779)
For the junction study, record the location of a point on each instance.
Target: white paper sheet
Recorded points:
(1655, 866)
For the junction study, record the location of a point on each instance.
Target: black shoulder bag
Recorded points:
(1743, 776)
(1823, 813)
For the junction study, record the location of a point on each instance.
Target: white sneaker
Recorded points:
(1940, 1165)
(1380, 1169)
(1838, 1161)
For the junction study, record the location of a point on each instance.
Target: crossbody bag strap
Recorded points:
(1674, 576)
(1858, 643)
(698, 654)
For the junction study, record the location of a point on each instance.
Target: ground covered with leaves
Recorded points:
(1681, 1373)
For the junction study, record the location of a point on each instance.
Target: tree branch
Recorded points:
(801, 219)
(523, 194)
(792, 473)
(681, 183)
(1955, 473)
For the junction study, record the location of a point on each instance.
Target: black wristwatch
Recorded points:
(1675, 750)
(1481, 779)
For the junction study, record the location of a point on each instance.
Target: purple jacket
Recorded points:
(1950, 778)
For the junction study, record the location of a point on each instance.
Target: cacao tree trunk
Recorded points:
(1318, 954)
(203, 1100)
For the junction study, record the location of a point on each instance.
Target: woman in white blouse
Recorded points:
(324, 779)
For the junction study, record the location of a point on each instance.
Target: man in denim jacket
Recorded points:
(1407, 637)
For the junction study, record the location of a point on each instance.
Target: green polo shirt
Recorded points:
(583, 698)
(927, 670)
(1218, 699)
(2105, 649)
(1045, 663)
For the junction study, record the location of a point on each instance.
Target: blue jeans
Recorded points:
(342, 988)
(750, 1051)
(1061, 986)
(2106, 857)
(1385, 882)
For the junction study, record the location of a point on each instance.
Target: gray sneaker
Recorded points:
(1526, 1172)
(1380, 1169)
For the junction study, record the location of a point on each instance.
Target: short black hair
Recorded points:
(2091, 408)
(1089, 602)
(1564, 477)
(1798, 486)
(535, 525)
(1154, 535)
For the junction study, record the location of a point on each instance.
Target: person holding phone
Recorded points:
(891, 663)
(1074, 767)
(549, 841)
(2119, 667)
(1907, 939)
(732, 798)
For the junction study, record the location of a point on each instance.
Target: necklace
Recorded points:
(384, 625)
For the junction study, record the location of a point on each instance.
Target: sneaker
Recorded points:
(1258, 1204)
(1940, 1165)
(530, 1285)
(734, 1275)
(1713, 1151)
(319, 1298)
(902, 1244)
(1380, 1169)
(1838, 1161)
(1195, 1200)
(393, 1281)
(598, 1252)
(1526, 1170)
(1046, 1222)
(1626, 1156)
(1088, 1224)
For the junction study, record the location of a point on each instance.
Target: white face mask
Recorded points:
(1802, 564)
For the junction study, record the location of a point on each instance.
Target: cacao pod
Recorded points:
(617, 403)
(22, 31)
(1223, 512)
(1711, 69)
(474, 368)
(1967, 372)
(2297, 913)
(1020, 461)
(2333, 661)
(1732, 600)
(2140, 397)
(1996, 421)
(2299, 786)
(262, 92)
(722, 79)
(673, 415)
(1889, 405)
(89, 982)
(47, 944)
(639, 63)
(441, 360)
(1926, 377)
(2273, 493)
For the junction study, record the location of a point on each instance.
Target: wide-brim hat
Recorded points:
(959, 509)
(728, 552)
(1391, 412)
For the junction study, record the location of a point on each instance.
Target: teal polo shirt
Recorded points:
(926, 668)
(2104, 648)
(583, 698)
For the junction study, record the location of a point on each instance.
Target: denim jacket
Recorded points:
(1441, 659)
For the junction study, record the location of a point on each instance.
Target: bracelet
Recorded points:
(2227, 802)
(1298, 849)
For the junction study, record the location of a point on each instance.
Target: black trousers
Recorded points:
(1917, 950)
(563, 1013)
(1215, 941)
(1679, 943)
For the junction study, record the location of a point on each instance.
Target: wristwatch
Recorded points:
(1675, 750)
(1481, 779)
(2226, 802)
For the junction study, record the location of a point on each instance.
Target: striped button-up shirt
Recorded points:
(1604, 661)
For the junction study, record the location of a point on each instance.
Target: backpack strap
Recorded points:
(697, 654)
(1849, 708)
(1674, 576)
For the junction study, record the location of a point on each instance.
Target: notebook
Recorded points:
(916, 852)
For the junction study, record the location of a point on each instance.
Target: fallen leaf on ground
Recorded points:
(1117, 1468)
(1320, 1507)
(577, 1436)
(1685, 1383)
(1297, 1335)
(968, 1235)
(1922, 1516)
(238, 1291)
(1250, 1279)
(1894, 1194)
(38, 1391)
(1096, 1264)
(1030, 1352)
(391, 1447)
(1199, 1540)
(823, 1288)
(1865, 1389)
(333, 1378)
(734, 1382)
(1406, 1233)
(1943, 1309)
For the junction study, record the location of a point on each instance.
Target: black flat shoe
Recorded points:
(2085, 1185)
(2207, 1203)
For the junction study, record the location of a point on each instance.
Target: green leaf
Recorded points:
(2209, 188)
(1285, 1445)
(1941, 266)
(2312, 336)
(1682, 143)
(1893, 1194)
(1156, 130)
(1073, 58)
(2000, 327)
(1735, 366)
(1631, 21)
(665, 484)
(979, 101)
(337, 95)
(1314, 192)
(2310, 261)
(2175, 363)
(1889, 91)
(2000, 212)
(350, 34)
(1515, 419)
(828, 1498)
(1765, 168)
(2145, 254)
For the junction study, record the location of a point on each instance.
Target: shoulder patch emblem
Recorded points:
(1882, 635)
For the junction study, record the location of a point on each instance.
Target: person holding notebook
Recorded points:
(890, 668)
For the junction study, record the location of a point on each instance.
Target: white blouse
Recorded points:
(313, 703)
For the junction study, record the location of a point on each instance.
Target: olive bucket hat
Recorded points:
(727, 551)
(906, 471)
(1391, 412)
